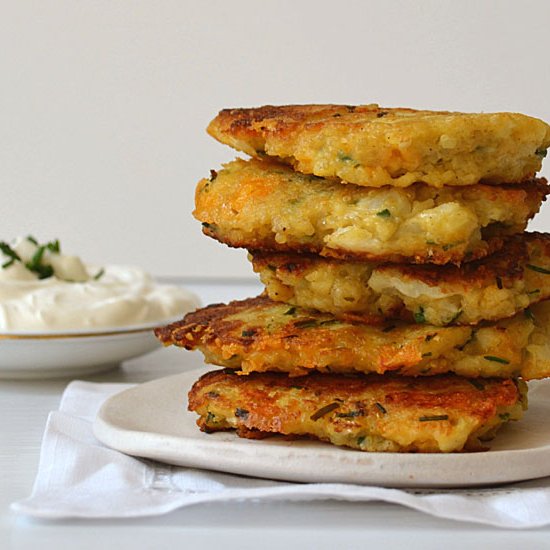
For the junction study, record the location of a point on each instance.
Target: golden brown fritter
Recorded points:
(493, 288)
(369, 413)
(257, 335)
(267, 206)
(375, 146)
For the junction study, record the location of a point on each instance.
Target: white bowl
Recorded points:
(72, 352)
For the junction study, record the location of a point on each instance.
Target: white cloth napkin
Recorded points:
(79, 477)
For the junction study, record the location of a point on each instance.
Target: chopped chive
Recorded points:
(241, 413)
(54, 246)
(351, 414)
(428, 354)
(435, 417)
(8, 251)
(381, 408)
(384, 213)
(529, 314)
(344, 157)
(541, 153)
(499, 283)
(247, 333)
(306, 323)
(290, 311)
(210, 417)
(538, 269)
(32, 240)
(323, 411)
(504, 416)
(99, 274)
(496, 359)
(419, 316)
(360, 440)
(476, 384)
(8, 263)
(329, 322)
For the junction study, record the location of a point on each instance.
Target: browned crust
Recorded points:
(445, 390)
(270, 403)
(253, 124)
(507, 264)
(434, 255)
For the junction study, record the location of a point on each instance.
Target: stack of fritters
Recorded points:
(404, 305)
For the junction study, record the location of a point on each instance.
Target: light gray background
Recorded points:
(104, 103)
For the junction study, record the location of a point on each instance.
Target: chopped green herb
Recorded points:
(32, 240)
(290, 311)
(323, 411)
(8, 263)
(428, 354)
(329, 322)
(504, 416)
(305, 323)
(99, 274)
(241, 413)
(350, 414)
(419, 316)
(344, 157)
(499, 283)
(496, 359)
(290, 267)
(54, 246)
(538, 269)
(210, 417)
(384, 213)
(541, 153)
(435, 417)
(360, 440)
(476, 383)
(247, 333)
(529, 314)
(536, 291)
(381, 408)
(8, 251)
(430, 337)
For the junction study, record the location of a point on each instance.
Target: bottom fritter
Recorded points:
(367, 412)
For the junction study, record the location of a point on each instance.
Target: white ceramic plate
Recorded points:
(72, 353)
(151, 421)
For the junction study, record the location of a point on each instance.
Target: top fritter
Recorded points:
(374, 146)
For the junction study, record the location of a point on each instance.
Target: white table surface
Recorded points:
(24, 406)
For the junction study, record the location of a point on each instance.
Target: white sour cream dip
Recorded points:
(79, 297)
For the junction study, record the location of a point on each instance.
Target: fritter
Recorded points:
(489, 289)
(375, 146)
(264, 205)
(258, 335)
(369, 413)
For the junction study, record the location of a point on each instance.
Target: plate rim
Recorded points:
(164, 448)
